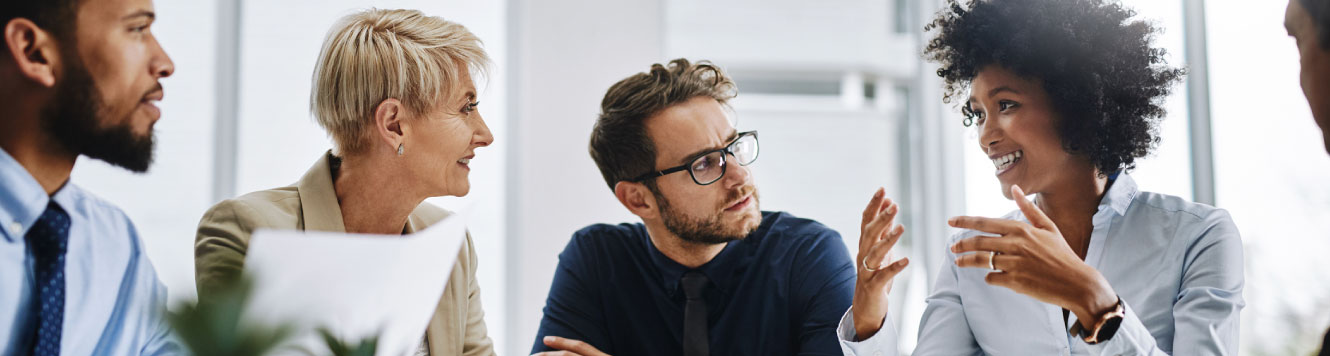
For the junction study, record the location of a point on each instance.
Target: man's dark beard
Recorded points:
(706, 231)
(74, 120)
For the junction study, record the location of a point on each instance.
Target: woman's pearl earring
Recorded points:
(401, 148)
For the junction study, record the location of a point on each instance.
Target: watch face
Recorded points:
(1110, 328)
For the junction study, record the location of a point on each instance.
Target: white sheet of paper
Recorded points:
(355, 285)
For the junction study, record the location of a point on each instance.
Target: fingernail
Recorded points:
(951, 221)
(549, 339)
(880, 192)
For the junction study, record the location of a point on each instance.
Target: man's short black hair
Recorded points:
(1320, 15)
(57, 16)
(1104, 79)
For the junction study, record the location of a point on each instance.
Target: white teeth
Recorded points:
(464, 161)
(1006, 160)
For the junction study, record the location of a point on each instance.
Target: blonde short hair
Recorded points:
(373, 55)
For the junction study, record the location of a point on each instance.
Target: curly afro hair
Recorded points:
(1106, 82)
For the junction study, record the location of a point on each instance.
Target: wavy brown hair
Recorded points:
(619, 142)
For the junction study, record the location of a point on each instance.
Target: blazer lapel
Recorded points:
(318, 200)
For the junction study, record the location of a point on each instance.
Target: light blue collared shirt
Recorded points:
(1177, 266)
(114, 303)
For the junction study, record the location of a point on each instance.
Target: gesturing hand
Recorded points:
(877, 235)
(569, 347)
(1034, 259)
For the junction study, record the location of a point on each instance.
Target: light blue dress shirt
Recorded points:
(114, 303)
(1177, 266)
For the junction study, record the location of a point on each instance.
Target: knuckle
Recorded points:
(1025, 249)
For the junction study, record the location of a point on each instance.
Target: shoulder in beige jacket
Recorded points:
(458, 326)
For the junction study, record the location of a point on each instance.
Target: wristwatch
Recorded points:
(1106, 327)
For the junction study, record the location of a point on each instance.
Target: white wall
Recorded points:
(566, 54)
(1270, 173)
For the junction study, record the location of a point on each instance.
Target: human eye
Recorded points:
(705, 163)
(978, 115)
(470, 107)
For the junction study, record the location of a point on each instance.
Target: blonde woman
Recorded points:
(393, 89)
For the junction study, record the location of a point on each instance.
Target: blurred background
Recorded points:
(836, 87)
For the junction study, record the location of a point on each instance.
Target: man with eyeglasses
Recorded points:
(706, 272)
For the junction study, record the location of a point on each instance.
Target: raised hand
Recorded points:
(1034, 259)
(878, 233)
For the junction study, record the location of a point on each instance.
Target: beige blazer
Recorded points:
(458, 326)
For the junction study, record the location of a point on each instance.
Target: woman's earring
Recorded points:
(401, 148)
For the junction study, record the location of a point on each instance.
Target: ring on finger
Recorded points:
(870, 269)
(992, 255)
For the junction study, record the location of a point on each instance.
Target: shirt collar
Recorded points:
(1119, 196)
(671, 272)
(721, 270)
(22, 199)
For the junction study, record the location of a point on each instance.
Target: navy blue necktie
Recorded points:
(49, 239)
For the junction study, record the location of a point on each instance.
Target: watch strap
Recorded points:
(1105, 328)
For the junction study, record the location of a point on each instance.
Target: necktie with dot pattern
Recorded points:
(49, 239)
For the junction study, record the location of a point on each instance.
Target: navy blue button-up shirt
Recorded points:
(779, 291)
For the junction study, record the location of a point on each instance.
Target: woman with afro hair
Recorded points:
(1066, 95)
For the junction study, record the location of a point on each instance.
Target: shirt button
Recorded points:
(15, 227)
(879, 353)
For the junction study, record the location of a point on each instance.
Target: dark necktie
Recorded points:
(49, 239)
(695, 315)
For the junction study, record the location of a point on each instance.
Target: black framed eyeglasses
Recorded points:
(710, 166)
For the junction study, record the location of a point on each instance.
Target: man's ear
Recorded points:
(389, 116)
(33, 50)
(637, 198)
